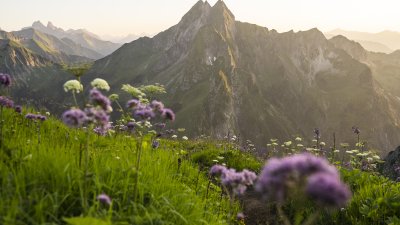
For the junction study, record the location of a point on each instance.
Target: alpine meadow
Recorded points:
(210, 121)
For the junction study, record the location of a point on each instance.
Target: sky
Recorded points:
(123, 17)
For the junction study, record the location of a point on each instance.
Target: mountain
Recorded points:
(61, 51)
(224, 76)
(37, 81)
(385, 41)
(82, 37)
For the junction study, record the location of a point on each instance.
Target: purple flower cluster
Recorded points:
(148, 111)
(5, 80)
(97, 115)
(98, 99)
(32, 116)
(278, 175)
(237, 181)
(74, 117)
(6, 102)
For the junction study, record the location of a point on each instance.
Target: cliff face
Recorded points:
(224, 76)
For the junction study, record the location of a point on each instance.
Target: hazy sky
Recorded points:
(122, 17)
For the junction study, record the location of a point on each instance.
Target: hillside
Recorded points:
(225, 76)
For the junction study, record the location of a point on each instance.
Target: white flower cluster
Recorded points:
(73, 85)
(100, 84)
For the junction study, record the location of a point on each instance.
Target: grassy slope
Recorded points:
(42, 183)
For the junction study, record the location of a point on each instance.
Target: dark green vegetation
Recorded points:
(224, 75)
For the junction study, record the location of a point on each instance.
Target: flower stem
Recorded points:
(311, 219)
(139, 153)
(282, 215)
(76, 103)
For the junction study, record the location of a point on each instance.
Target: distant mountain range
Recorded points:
(224, 76)
(385, 41)
(82, 37)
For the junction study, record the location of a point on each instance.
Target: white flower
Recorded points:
(300, 145)
(73, 85)
(47, 113)
(117, 157)
(185, 138)
(298, 139)
(322, 143)
(174, 136)
(336, 151)
(288, 143)
(376, 157)
(100, 84)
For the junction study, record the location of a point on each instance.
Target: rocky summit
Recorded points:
(224, 75)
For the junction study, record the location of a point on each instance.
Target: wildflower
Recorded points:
(132, 103)
(217, 170)
(6, 102)
(5, 79)
(35, 117)
(100, 84)
(103, 198)
(322, 143)
(174, 136)
(240, 216)
(18, 109)
(273, 179)
(155, 144)
(144, 113)
(157, 106)
(168, 114)
(135, 92)
(130, 125)
(73, 85)
(336, 151)
(185, 138)
(113, 97)
(288, 143)
(99, 99)
(327, 190)
(298, 139)
(74, 117)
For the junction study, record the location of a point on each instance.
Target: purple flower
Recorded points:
(99, 99)
(327, 190)
(274, 178)
(157, 106)
(168, 114)
(217, 170)
(18, 109)
(240, 216)
(130, 125)
(6, 102)
(5, 80)
(132, 103)
(105, 199)
(32, 116)
(144, 113)
(97, 116)
(74, 117)
(160, 125)
(155, 144)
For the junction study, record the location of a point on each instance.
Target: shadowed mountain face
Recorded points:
(37, 81)
(224, 76)
(82, 37)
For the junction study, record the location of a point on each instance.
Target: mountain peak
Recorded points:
(38, 24)
(221, 8)
(199, 10)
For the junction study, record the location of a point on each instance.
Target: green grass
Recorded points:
(44, 183)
